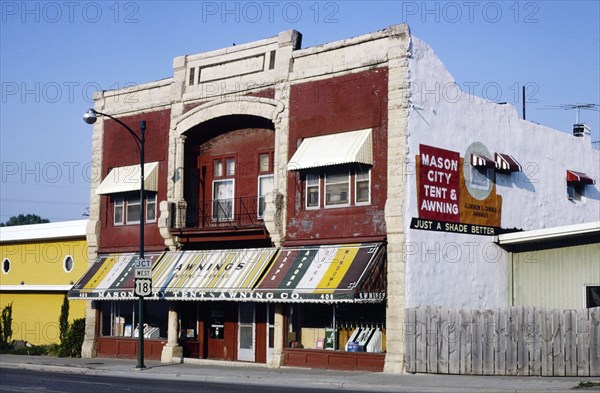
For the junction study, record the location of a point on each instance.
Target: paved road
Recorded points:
(20, 381)
(101, 375)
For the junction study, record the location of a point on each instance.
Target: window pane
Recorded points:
(312, 190)
(132, 210)
(312, 179)
(151, 208)
(312, 196)
(218, 168)
(230, 167)
(265, 186)
(223, 200)
(118, 216)
(337, 188)
(363, 192)
(263, 163)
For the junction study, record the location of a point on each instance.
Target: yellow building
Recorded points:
(40, 263)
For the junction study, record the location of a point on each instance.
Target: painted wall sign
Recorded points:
(438, 181)
(454, 195)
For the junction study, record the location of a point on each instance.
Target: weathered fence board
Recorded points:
(421, 343)
(558, 343)
(500, 353)
(465, 342)
(546, 329)
(583, 344)
(489, 342)
(594, 323)
(511, 350)
(570, 343)
(453, 342)
(442, 365)
(510, 341)
(410, 346)
(535, 357)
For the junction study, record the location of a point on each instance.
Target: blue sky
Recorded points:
(55, 54)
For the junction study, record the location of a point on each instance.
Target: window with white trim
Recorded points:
(223, 200)
(313, 191)
(337, 189)
(151, 208)
(265, 186)
(127, 209)
(132, 210)
(362, 187)
(119, 205)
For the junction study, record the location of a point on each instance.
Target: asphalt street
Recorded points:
(49, 374)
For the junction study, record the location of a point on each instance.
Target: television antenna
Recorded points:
(577, 107)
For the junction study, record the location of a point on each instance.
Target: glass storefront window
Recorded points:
(344, 327)
(120, 319)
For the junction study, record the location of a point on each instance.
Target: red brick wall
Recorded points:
(340, 104)
(120, 149)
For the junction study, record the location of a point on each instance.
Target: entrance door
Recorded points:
(216, 334)
(246, 332)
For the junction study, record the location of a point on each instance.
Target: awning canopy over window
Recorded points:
(478, 160)
(211, 274)
(127, 178)
(334, 149)
(507, 163)
(324, 274)
(336, 273)
(110, 277)
(575, 177)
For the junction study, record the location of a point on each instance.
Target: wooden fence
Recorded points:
(510, 341)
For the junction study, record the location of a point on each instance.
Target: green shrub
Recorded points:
(71, 346)
(6, 327)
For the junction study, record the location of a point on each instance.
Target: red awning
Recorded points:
(478, 160)
(507, 163)
(579, 178)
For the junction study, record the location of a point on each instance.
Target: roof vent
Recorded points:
(581, 129)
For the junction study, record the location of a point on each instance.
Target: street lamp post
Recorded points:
(90, 117)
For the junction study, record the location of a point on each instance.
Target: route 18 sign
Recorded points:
(142, 287)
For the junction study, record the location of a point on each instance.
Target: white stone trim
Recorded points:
(255, 106)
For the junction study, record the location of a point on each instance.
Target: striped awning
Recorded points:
(334, 149)
(128, 178)
(478, 160)
(335, 273)
(211, 274)
(507, 163)
(579, 178)
(110, 277)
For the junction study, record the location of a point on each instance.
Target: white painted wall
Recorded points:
(459, 270)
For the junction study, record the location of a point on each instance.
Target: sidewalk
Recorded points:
(220, 372)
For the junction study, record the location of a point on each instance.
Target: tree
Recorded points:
(23, 219)
(63, 321)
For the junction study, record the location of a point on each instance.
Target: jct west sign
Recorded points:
(455, 196)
